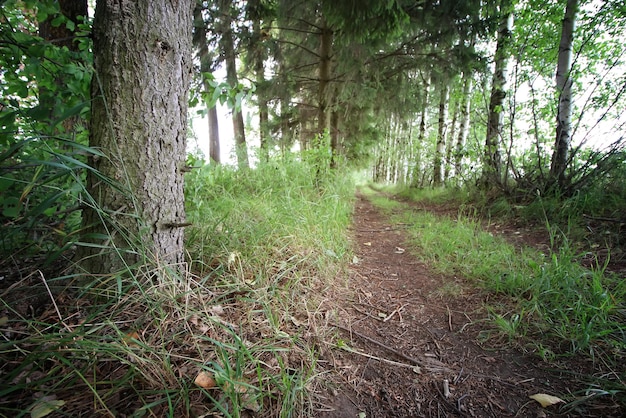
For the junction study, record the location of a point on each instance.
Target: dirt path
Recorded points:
(413, 342)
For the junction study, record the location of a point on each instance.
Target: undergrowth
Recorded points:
(234, 333)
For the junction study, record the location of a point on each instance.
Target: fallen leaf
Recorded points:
(45, 406)
(399, 250)
(129, 337)
(355, 260)
(4, 320)
(369, 244)
(546, 400)
(205, 380)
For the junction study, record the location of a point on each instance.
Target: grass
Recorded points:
(246, 313)
(552, 304)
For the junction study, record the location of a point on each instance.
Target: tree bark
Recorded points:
(135, 205)
(562, 144)
(492, 168)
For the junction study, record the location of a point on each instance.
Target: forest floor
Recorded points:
(409, 348)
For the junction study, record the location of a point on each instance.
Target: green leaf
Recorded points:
(57, 21)
(11, 207)
(42, 407)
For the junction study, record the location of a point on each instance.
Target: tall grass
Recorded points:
(262, 248)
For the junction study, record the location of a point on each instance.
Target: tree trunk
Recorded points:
(139, 121)
(228, 46)
(334, 138)
(492, 168)
(326, 42)
(464, 128)
(564, 88)
(214, 136)
(201, 45)
(441, 133)
(421, 137)
(450, 141)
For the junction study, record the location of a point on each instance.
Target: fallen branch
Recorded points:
(396, 352)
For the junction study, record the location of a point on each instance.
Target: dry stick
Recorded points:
(386, 347)
(56, 308)
(397, 311)
(449, 318)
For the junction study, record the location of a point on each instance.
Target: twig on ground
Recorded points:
(449, 318)
(397, 311)
(56, 308)
(399, 354)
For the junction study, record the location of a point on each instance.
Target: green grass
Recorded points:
(552, 304)
(263, 247)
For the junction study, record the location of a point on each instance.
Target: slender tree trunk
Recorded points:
(228, 47)
(214, 136)
(464, 128)
(450, 141)
(325, 49)
(421, 136)
(258, 52)
(492, 168)
(564, 88)
(441, 133)
(139, 121)
(201, 45)
(334, 138)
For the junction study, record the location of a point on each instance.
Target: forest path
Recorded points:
(410, 340)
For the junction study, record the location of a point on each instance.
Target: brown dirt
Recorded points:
(410, 337)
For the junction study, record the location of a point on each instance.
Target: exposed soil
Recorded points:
(412, 346)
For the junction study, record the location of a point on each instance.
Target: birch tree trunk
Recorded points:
(464, 128)
(441, 133)
(562, 145)
(492, 168)
(139, 122)
(450, 141)
(417, 174)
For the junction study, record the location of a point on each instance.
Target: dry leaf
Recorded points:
(129, 337)
(3, 321)
(546, 400)
(399, 250)
(355, 260)
(369, 244)
(205, 380)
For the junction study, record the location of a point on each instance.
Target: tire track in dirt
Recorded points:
(410, 348)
